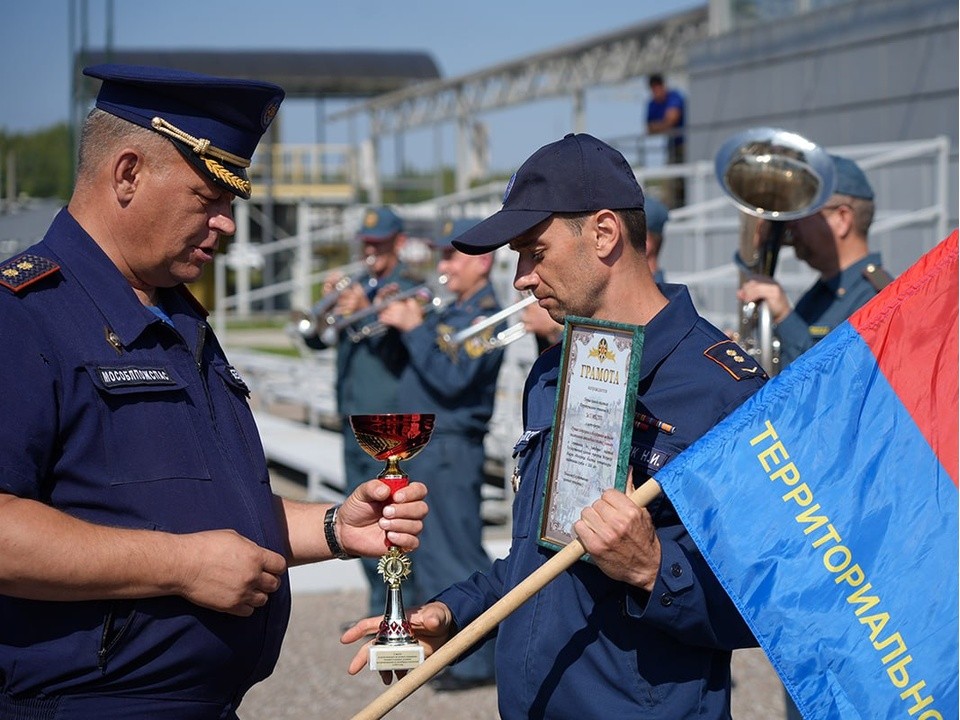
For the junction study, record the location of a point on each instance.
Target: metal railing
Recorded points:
(699, 238)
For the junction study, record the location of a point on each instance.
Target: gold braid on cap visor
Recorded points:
(203, 148)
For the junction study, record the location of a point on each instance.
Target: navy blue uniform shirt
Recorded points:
(116, 418)
(589, 646)
(458, 385)
(824, 306)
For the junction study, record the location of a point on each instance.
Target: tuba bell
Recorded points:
(771, 175)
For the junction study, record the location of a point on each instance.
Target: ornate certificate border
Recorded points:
(593, 421)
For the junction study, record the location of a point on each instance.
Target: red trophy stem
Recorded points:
(394, 483)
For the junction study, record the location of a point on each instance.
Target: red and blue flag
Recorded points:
(827, 506)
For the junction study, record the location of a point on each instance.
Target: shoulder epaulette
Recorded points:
(22, 271)
(732, 358)
(877, 276)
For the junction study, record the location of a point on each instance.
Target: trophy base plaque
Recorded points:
(396, 657)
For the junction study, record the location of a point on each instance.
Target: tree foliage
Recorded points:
(43, 161)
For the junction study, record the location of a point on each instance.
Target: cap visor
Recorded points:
(498, 229)
(239, 176)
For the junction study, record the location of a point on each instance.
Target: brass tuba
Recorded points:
(773, 175)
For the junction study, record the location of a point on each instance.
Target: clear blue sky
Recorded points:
(462, 37)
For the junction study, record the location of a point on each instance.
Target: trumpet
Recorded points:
(501, 339)
(421, 293)
(310, 324)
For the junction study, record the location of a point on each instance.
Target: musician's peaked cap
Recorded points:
(214, 122)
(378, 224)
(577, 174)
(657, 215)
(850, 179)
(452, 229)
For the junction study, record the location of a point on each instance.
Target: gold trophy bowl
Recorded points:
(393, 437)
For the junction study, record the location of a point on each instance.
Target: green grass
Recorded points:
(258, 323)
(274, 350)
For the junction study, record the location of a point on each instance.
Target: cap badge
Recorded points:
(370, 220)
(447, 228)
(269, 113)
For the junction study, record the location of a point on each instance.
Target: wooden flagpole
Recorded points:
(493, 616)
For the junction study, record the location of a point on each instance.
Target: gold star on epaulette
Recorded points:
(24, 270)
(732, 358)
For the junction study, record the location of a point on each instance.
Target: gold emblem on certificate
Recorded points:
(593, 423)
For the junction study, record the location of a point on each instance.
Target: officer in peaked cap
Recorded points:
(143, 556)
(833, 241)
(645, 629)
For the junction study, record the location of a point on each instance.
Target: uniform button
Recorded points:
(676, 570)
(666, 600)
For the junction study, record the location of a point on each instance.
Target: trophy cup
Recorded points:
(392, 438)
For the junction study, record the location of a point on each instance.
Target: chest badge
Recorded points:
(113, 340)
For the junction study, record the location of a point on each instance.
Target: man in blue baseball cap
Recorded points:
(143, 556)
(645, 630)
(834, 242)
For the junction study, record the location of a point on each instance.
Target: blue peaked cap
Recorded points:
(379, 223)
(214, 122)
(453, 229)
(657, 215)
(850, 179)
(577, 174)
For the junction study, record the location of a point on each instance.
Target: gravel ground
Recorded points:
(311, 681)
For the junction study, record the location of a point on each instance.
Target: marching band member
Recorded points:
(369, 368)
(457, 384)
(833, 241)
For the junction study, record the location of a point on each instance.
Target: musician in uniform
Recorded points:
(143, 555)
(657, 216)
(834, 242)
(645, 629)
(458, 384)
(369, 365)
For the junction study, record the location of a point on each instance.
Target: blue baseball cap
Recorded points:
(378, 224)
(452, 229)
(575, 174)
(850, 179)
(214, 122)
(657, 215)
